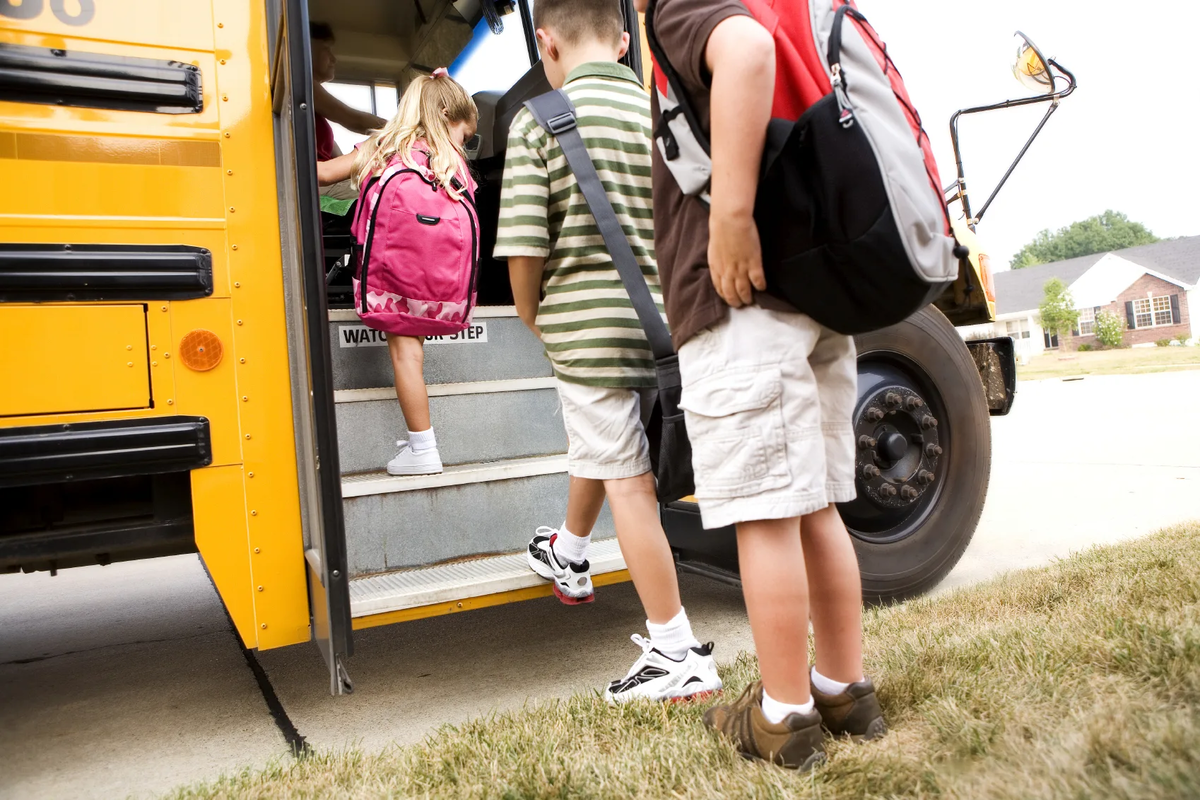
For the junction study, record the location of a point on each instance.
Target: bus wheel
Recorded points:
(923, 452)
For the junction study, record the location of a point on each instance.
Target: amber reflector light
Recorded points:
(201, 350)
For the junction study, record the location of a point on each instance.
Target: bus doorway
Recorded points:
(380, 548)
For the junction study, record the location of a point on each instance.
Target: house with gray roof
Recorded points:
(1152, 287)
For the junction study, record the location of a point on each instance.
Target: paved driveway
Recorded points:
(126, 679)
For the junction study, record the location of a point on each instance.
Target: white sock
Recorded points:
(420, 441)
(673, 639)
(827, 685)
(571, 548)
(776, 712)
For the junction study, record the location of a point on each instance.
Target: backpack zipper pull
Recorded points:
(839, 89)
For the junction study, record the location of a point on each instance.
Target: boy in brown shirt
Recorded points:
(768, 395)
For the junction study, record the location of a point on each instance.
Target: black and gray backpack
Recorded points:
(850, 213)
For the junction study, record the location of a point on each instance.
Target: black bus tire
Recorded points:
(925, 547)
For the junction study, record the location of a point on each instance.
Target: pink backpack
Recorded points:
(417, 253)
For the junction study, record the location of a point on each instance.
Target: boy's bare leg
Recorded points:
(585, 499)
(408, 365)
(775, 587)
(643, 542)
(835, 594)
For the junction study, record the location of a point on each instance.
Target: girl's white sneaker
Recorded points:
(410, 462)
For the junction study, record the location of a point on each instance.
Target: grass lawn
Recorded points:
(1052, 364)
(1079, 680)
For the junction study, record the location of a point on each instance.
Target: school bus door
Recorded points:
(312, 381)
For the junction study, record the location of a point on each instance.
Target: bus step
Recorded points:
(467, 417)
(510, 350)
(410, 522)
(454, 582)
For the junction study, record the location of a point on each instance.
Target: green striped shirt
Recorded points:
(589, 327)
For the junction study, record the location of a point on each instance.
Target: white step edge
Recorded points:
(447, 389)
(423, 586)
(371, 483)
(482, 312)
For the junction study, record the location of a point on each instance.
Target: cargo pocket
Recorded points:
(735, 423)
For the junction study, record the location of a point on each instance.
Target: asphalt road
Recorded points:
(126, 679)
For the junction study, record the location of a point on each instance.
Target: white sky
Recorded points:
(1126, 140)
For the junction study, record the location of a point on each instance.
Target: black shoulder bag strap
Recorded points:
(554, 112)
(670, 450)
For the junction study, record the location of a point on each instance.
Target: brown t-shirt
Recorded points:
(681, 222)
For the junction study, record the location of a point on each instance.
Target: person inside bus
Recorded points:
(333, 169)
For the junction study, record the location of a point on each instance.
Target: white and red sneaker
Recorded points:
(572, 583)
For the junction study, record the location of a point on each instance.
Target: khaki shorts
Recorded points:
(769, 399)
(605, 430)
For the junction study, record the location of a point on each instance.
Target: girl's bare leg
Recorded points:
(408, 365)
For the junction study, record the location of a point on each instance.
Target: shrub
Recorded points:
(1110, 329)
(1163, 343)
(1182, 338)
(1083, 348)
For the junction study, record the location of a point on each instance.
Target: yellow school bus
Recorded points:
(181, 372)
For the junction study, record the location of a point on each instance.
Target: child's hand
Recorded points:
(735, 258)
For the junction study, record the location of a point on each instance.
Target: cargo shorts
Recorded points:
(769, 398)
(606, 434)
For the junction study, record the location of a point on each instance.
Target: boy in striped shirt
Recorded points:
(568, 292)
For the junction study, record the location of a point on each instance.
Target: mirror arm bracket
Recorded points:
(1053, 99)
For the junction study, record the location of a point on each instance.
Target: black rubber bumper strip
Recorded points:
(39, 273)
(59, 77)
(30, 456)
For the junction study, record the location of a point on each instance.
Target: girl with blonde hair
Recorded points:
(417, 243)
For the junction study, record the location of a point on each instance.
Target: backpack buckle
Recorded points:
(561, 123)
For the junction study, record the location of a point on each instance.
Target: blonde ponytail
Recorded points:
(429, 107)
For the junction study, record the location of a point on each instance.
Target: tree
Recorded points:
(1099, 234)
(1110, 329)
(1057, 313)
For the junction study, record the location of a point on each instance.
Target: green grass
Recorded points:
(1054, 364)
(1080, 680)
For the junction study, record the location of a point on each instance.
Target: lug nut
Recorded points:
(933, 450)
(874, 414)
(925, 477)
(866, 442)
(887, 490)
(892, 399)
(908, 492)
(870, 472)
(914, 403)
(929, 422)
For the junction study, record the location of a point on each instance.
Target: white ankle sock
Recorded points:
(776, 712)
(420, 441)
(673, 639)
(827, 685)
(571, 548)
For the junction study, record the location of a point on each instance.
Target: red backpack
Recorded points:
(854, 229)
(417, 251)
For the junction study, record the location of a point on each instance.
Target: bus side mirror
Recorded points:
(1031, 68)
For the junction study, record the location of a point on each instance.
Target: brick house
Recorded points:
(1153, 288)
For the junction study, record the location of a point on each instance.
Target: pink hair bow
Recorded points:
(440, 72)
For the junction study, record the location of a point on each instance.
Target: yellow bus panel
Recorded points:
(61, 359)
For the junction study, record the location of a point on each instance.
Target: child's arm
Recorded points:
(348, 117)
(335, 170)
(525, 275)
(740, 55)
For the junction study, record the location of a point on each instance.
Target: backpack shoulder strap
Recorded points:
(554, 112)
(659, 57)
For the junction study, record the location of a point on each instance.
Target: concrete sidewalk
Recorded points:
(127, 680)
